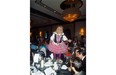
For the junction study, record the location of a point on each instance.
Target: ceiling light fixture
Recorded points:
(71, 14)
(71, 9)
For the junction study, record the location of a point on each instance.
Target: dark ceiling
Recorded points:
(48, 12)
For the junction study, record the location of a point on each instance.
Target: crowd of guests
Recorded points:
(74, 56)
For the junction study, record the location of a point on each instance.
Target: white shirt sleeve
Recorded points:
(64, 38)
(52, 37)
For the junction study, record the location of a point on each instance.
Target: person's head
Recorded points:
(77, 64)
(81, 53)
(59, 29)
(76, 52)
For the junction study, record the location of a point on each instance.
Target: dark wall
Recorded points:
(70, 30)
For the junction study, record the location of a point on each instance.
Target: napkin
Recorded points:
(47, 64)
(32, 73)
(64, 67)
(42, 63)
(33, 69)
(49, 71)
(55, 66)
(52, 56)
(39, 73)
(36, 58)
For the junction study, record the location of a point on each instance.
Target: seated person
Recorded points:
(43, 48)
(33, 50)
(79, 67)
(82, 56)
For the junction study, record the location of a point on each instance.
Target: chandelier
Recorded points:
(71, 10)
(71, 14)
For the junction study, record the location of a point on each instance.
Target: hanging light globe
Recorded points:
(71, 14)
(71, 9)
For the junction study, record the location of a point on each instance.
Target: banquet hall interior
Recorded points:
(45, 17)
